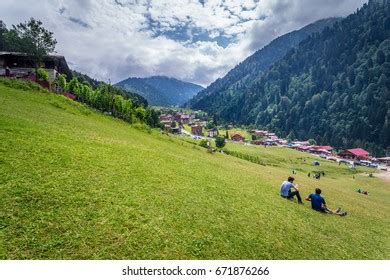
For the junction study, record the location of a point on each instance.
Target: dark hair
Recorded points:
(290, 179)
(318, 191)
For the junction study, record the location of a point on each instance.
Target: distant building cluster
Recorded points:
(174, 123)
(267, 138)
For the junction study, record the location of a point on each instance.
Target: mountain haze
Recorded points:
(161, 90)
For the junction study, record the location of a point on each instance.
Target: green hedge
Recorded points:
(22, 84)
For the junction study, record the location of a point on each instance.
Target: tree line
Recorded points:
(109, 99)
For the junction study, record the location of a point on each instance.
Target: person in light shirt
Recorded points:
(289, 190)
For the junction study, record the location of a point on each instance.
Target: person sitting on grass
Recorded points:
(362, 191)
(318, 204)
(285, 190)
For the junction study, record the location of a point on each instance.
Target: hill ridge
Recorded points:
(246, 72)
(161, 90)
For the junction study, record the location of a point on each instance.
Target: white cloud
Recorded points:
(114, 39)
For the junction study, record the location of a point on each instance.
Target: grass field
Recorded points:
(75, 184)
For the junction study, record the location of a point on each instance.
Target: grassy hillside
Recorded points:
(75, 184)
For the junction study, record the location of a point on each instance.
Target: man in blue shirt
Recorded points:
(318, 203)
(285, 190)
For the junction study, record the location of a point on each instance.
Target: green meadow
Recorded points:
(76, 184)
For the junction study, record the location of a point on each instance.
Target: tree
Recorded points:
(312, 142)
(210, 125)
(32, 38)
(152, 118)
(3, 33)
(140, 113)
(380, 57)
(220, 142)
(204, 143)
(291, 136)
(61, 79)
(73, 86)
(42, 74)
(215, 120)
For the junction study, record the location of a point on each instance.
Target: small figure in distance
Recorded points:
(308, 174)
(7, 72)
(285, 190)
(362, 191)
(318, 204)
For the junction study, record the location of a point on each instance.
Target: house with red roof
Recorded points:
(237, 137)
(197, 130)
(321, 150)
(300, 143)
(259, 133)
(326, 148)
(166, 119)
(303, 148)
(356, 154)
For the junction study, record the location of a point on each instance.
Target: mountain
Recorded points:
(334, 87)
(85, 78)
(161, 90)
(244, 74)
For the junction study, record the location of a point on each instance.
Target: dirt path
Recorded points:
(385, 175)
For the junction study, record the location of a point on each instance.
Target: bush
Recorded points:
(22, 84)
(61, 81)
(142, 127)
(204, 143)
(220, 142)
(42, 74)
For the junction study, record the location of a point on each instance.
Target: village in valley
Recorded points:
(198, 125)
(194, 124)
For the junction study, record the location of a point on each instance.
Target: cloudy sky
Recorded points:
(193, 40)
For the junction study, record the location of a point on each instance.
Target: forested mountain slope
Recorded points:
(244, 74)
(334, 87)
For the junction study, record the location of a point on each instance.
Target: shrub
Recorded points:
(142, 127)
(204, 143)
(220, 142)
(22, 84)
(42, 74)
(61, 81)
